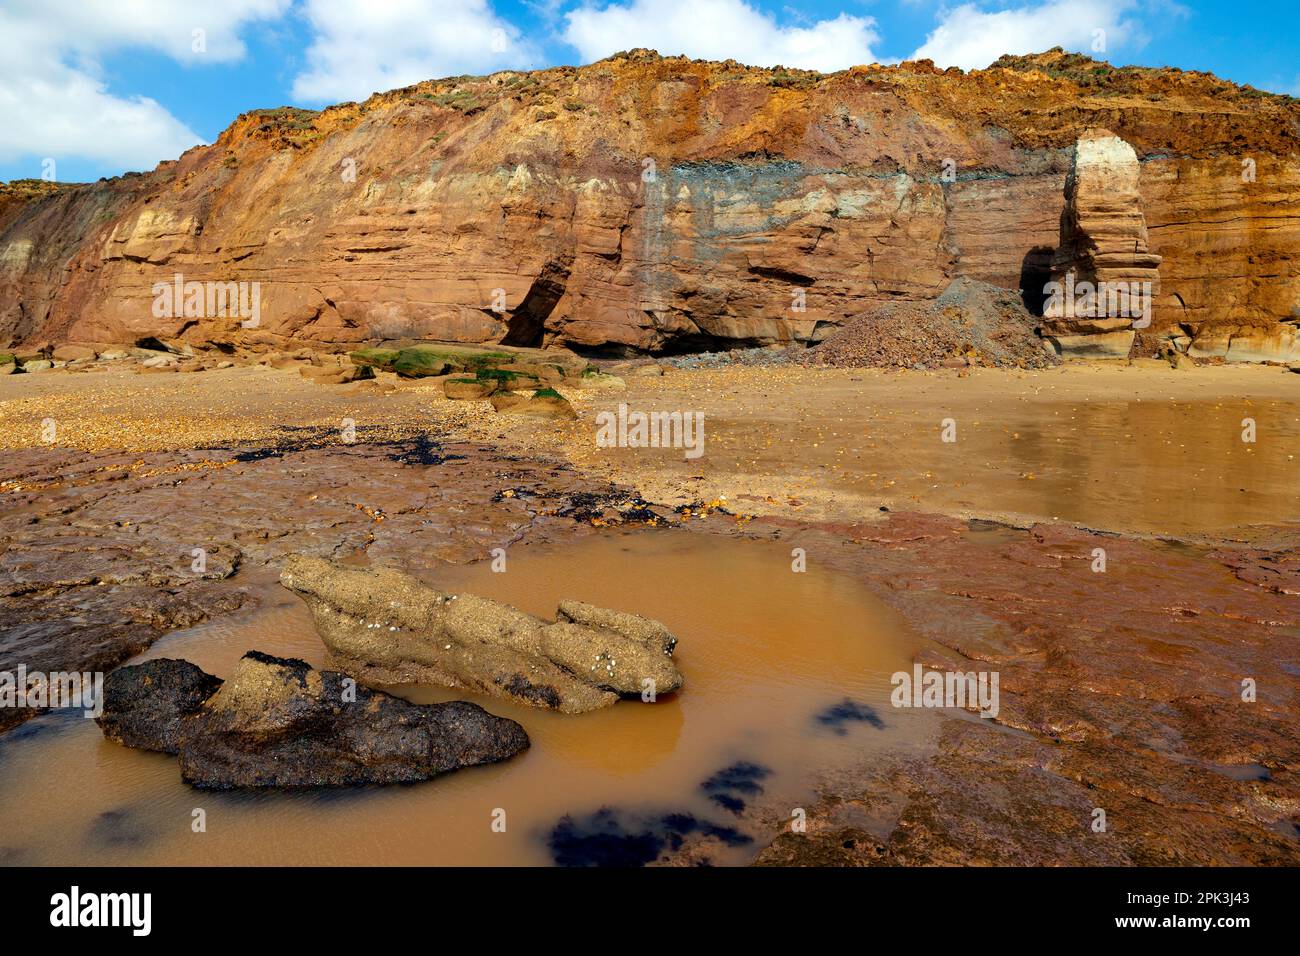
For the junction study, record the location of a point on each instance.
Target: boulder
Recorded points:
(277, 722)
(597, 380)
(74, 353)
(544, 403)
(505, 401)
(1102, 345)
(336, 374)
(282, 361)
(440, 358)
(646, 371)
(386, 627)
(468, 389)
(38, 365)
(534, 372)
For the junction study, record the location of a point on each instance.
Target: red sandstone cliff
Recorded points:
(661, 203)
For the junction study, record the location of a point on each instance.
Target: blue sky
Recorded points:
(105, 86)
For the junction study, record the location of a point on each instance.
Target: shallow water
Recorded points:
(770, 658)
(1152, 466)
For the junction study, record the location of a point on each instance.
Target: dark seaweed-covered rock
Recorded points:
(277, 722)
(147, 704)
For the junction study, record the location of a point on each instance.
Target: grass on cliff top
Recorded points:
(463, 101)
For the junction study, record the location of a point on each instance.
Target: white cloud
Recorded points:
(719, 30)
(972, 38)
(55, 103)
(361, 47)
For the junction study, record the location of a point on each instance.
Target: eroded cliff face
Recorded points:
(662, 204)
(1105, 279)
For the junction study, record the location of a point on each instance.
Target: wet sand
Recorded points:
(1140, 449)
(1144, 449)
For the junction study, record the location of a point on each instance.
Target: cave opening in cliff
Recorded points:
(527, 323)
(1035, 273)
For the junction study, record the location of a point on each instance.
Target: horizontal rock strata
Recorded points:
(1105, 279)
(646, 203)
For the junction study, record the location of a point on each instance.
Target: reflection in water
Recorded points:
(1161, 467)
(764, 651)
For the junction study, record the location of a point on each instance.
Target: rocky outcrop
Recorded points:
(1104, 277)
(384, 626)
(276, 722)
(646, 203)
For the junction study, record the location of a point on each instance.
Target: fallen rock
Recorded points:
(970, 323)
(276, 722)
(532, 372)
(436, 358)
(544, 403)
(74, 353)
(597, 380)
(39, 365)
(386, 627)
(337, 375)
(649, 371)
(1105, 345)
(283, 362)
(468, 389)
(505, 401)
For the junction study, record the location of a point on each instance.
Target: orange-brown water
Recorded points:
(1145, 451)
(764, 650)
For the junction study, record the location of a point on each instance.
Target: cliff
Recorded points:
(661, 204)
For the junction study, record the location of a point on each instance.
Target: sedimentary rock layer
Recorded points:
(1105, 278)
(647, 203)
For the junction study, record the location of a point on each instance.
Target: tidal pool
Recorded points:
(786, 673)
